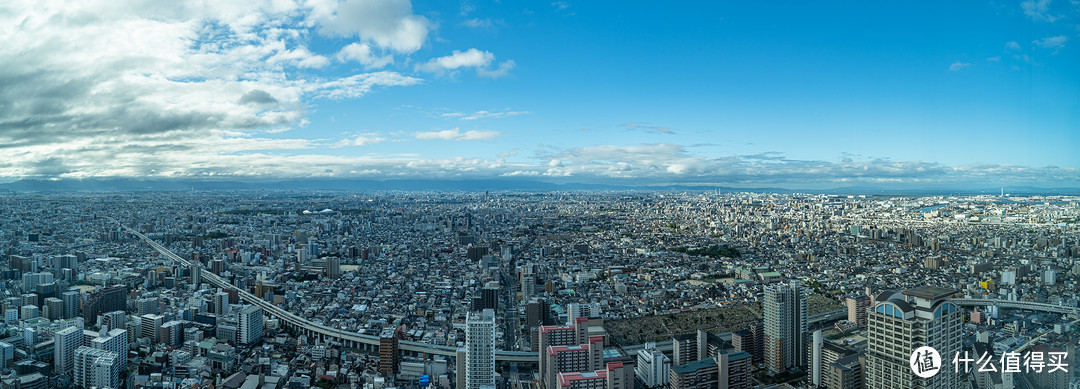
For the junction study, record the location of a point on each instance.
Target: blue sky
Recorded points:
(740, 94)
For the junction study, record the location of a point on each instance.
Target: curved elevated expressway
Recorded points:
(323, 332)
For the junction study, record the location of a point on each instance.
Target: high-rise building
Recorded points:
(652, 367)
(221, 304)
(734, 370)
(899, 324)
(845, 373)
(333, 267)
(480, 350)
(115, 340)
(548, 336)
(108, 299)
(489, 296)
(31, 280)
(54, 308)
(856, 308)
(251, 325)
(585, 310)
(96, 368)
(538, 313)
(65, 342)
(751, 340)
(785, 327)
(148, 327)
(72, 299)
(388, 352)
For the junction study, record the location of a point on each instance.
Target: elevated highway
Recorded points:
(349, 339)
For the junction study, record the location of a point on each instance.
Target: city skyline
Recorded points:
(815, 96)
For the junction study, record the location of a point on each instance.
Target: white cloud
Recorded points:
(956, 66)
(388, 24)
(1039, 10)
(362, 54)
(1013, 46)
(360, 140)
(481, 115)
(1053, 42)
(504, 68)
(459, 59)
(457, 135)
(471, 58)
(124, 87)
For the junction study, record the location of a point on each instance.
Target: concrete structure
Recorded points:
(480, 350)
(251, 325)
(899, 323)
(652, 367)
(65, 342)
(785, 326)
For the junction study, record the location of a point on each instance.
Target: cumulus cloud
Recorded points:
(119, 87)
(362, 54)
(457, 135)
(471, 58)
(388, 24)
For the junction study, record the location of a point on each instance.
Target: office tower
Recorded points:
(333, 267)
(71, 299)
(652, 367)
(11, 316)
(65, 342)
(856, 308)
(108, 299)
(54, 308)
(221, 304)
(898, 324)
(583, 310)
(480, 350)
(251, 325)
(96, 368)
(388, 352)
(785, 327)
(22, 264)
(30, 281)
(148, 327)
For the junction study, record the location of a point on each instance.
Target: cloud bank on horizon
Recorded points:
(563, 92)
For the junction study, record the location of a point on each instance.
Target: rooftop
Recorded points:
(931, 292)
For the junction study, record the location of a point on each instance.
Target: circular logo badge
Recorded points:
(925, 362)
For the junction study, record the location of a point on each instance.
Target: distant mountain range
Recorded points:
(474, 185)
